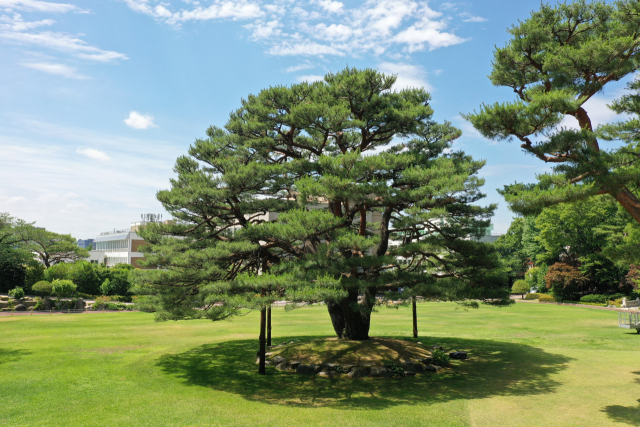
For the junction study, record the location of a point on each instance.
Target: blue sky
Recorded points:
(98, 98)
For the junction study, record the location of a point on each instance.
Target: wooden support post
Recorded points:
(415, 317)
(269, 326)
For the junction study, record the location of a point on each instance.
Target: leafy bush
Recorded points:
(535, 277)
(520, 287)
(63, 288)
(597, 298)
(100, 302)
(546, 298)
(440, 358)
(395, 368)
(121, 298)
(17, 293)
(39, 304)
(532, 296)
(43, 288)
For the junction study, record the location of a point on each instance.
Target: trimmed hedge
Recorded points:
(546, 298)
(532, 296)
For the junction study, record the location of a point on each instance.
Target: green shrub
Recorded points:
(594, 298)
(440, 358)
(397, 369)
(85, 296)
(39, 304)
(520, 287)
(144, 303)
(43, 288)
(532, 296)
(546, 298)
(100, 302)
(121, 298)
(63, 288)
(17, 293)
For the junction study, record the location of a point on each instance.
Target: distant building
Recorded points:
(122, 246)
(489, 235)
(84, 243)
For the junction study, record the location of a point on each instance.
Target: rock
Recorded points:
(278, 360)
(460, 355)
(331, 367)
(282, 366)
(20, 307)
(427, 360)
(437, 347)
(358, 373)
(266, 354)
(326, 374)
(307, 369)
(47, 304)
(347, 368)
(294, 364)
(80, 304)
(413, 366)
(266, 362)
(409, 374)
(380, 372)
(431, 368)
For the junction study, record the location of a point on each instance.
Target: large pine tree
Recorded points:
(342, 191)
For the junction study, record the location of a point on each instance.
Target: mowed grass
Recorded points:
(531, 365)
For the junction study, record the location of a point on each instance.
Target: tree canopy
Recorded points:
(343, 191)
(555, 62)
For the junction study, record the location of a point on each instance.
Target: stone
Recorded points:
(279, 359)
(47, 304)
(282, 366)
(358, 373)
(266, 362)
(326, 374)
(380, 372)
(427, 360)
(80, 304)
(266, 354)
(437, 347)
(20, 307)
(409, 374)
(347, 368)
(307, 369)
(413, 366)
(331, 367)
(460, 355)
(431, 368)
(294, 364)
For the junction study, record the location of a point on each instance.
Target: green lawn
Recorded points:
(531, 365)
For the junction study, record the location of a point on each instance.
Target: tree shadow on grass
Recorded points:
(494, 369)
(10, 355)
(625, 414)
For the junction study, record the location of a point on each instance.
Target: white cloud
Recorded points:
(139, 121)
(467, 17)
(94, 154)
(37, 6)
(15, 29)
(264, 30)
(218, 10)
(448, 6)
(303, 66)
(409, 76)
(331, 6)
(310, 78)
(56, 69)
(310, 28)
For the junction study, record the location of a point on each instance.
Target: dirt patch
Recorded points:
(333, 350)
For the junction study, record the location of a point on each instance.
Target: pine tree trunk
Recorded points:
(269, 326)
(415, 317)
(629, 202)
(351, 319)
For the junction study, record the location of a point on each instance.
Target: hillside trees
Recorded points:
(555, 62)
(301, 196)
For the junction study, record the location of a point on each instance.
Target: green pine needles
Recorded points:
(343, 192)
(555, 62)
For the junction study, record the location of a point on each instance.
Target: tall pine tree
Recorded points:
(313, 193)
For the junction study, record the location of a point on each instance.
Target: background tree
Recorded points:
(290, 188)
(520, 287)
(51, 248)
(12, 268)
(565, 281)
(63, 288)
(556, 61)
